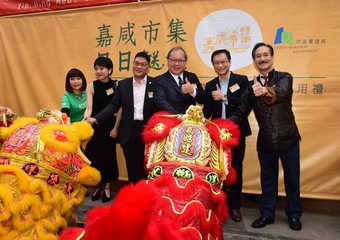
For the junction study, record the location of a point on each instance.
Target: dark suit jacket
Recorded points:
(168, 95)
(123, 98)
(277, 127)
(213, 108)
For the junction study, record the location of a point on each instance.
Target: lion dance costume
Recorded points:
(41, 172)
(188, 161)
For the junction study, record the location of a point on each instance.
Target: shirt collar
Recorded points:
(270, 74)
(176, 77)
(225, 80)
(143, 81)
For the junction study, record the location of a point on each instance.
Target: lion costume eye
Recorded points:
(60, 137)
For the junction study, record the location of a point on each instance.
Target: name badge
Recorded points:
(150, 94)
(234, 88)
(109, 91)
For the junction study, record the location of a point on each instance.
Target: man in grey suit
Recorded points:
(135, 96)
(177, 89)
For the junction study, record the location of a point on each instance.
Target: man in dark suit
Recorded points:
(223, 95)
(177, 89)
(135, 96)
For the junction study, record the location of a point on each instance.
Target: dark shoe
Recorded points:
(294, 224)
(236, 215)
(96, 195)
(262, 222)
(105, 197)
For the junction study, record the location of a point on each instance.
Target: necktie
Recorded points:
(265, 78)
(180, 81)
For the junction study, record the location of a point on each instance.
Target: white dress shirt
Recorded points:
(138, 98)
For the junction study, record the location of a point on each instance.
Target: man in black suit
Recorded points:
(269, 95)
(135, 96)
(177, 89)
(223, 95)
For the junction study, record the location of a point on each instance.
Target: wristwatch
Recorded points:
(224, 97)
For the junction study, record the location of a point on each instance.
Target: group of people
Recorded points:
(82, 100)
(121, 109)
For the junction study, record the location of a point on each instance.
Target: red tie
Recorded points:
(265, 78)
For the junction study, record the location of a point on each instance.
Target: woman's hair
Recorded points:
(74, 72)
(103, 62)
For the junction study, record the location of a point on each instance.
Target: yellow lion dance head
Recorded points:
(42, 169)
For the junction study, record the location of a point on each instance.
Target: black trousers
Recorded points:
(133, 151)
(269, 162)
(234, 197)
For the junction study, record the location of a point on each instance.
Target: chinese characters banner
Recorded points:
(11, 7)
(39, 49)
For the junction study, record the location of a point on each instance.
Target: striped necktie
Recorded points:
(180, 81)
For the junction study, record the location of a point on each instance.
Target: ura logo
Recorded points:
(283, 37)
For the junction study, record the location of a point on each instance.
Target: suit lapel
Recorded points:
(217, 81)
(231, 81)
(148, 90)
(173, 82)
(185, 76)
(129, 91)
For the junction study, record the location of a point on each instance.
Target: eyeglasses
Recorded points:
(224, 62)
(142, 64)
(179, 61)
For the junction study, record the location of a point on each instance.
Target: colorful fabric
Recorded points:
(42, 170)
(188, 159)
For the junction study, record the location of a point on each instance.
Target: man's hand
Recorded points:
(7, 111)
(187, 87)
(113, 133)
(91, 120)
(217, 95)
(258, 89)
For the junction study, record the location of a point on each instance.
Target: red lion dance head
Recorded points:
(188, 159)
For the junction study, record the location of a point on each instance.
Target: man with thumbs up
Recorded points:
(177, 89)
(223, 95)
(270, 97)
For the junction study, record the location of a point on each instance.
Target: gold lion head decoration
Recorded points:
(194, 114)
(190, 146)
(51, 116)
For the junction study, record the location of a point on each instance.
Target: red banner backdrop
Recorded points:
(11, 7)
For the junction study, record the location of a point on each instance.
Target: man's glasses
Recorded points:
(224, 62)
(174, 61)
(142, 64)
